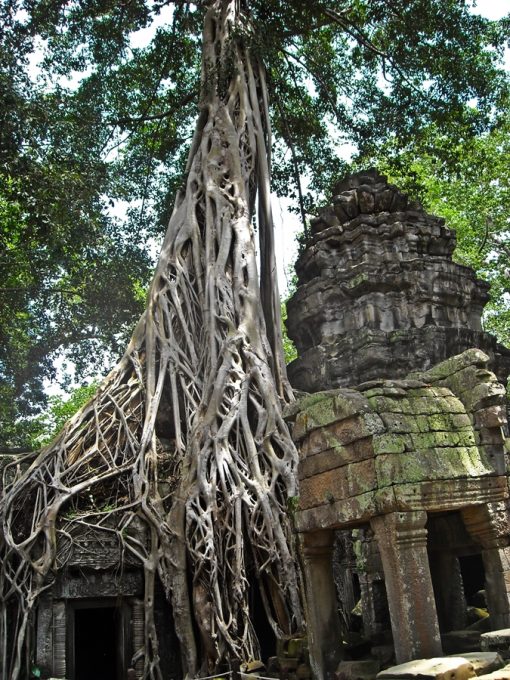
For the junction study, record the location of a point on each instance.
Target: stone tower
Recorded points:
(378, 293)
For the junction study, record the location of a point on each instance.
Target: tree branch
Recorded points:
(156, 116)
(356, 33)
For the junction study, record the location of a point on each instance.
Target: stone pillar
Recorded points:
(44, 634)
(448, 590)
(344, 563)
(59, 639)
(138, 631)
(402, 539)
(489, 526)
(374, 604)
(324, 633)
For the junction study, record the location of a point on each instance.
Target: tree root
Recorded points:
(202, 373)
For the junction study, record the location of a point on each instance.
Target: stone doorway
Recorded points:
(98, 644)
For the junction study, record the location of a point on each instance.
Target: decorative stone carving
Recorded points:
(378, 293)
(97, 584)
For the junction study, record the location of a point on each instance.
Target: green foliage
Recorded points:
(289, 349)
(106, 123)
(61, 409)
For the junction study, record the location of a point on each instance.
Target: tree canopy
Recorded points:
(103, 125)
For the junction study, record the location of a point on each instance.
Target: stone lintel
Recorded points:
(435, 496)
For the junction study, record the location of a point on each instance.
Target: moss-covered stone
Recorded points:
(389, 443)
(461, 420)
(453, 404)
(426, 405)
(373, 424)
(440, 421)
(467, 437)
(326, 408)
(438, 463)
(357, 280)
(468, 379)
(350, 402)
(433, 439)
(385, 391)
(420, 392)
(321, 412)
(383, 404)
(484, 395)
(400, 423)
(423, 423)
(452, 365)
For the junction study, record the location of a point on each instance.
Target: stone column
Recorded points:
(324, 633)
(59, 638)
(449, 590)
(489, 526)
(402, 540)
(138, 632)
(374, 605)
(44, 634)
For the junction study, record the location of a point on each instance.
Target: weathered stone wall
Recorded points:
(378, 293)
(435, 443)
(387, 457)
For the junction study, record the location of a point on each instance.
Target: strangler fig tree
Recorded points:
(195, 403)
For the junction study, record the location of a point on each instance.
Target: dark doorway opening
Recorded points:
(263, 630)
(97, 643)
(473, 576)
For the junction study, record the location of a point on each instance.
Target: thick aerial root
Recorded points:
(194, 404)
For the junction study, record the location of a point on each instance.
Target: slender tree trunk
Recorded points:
(195, 403)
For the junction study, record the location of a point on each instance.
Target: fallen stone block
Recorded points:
(500, 674)
(256, 666)
(484, 662)
(459, 641)
(440, 668)
(496, 640)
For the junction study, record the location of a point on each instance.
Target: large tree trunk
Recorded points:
(198, 394)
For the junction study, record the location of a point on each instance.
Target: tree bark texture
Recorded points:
(195, 403)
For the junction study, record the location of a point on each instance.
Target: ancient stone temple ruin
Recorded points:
(403, 440)
(378, 292)
(403, 472)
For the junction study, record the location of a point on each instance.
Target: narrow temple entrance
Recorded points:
(263, 630)
(96, 641)
(457, 570)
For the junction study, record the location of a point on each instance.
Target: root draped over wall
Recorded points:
(195, 403)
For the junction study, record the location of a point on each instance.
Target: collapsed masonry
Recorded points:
(405, 464)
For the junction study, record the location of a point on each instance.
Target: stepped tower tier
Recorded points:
(378, 292)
